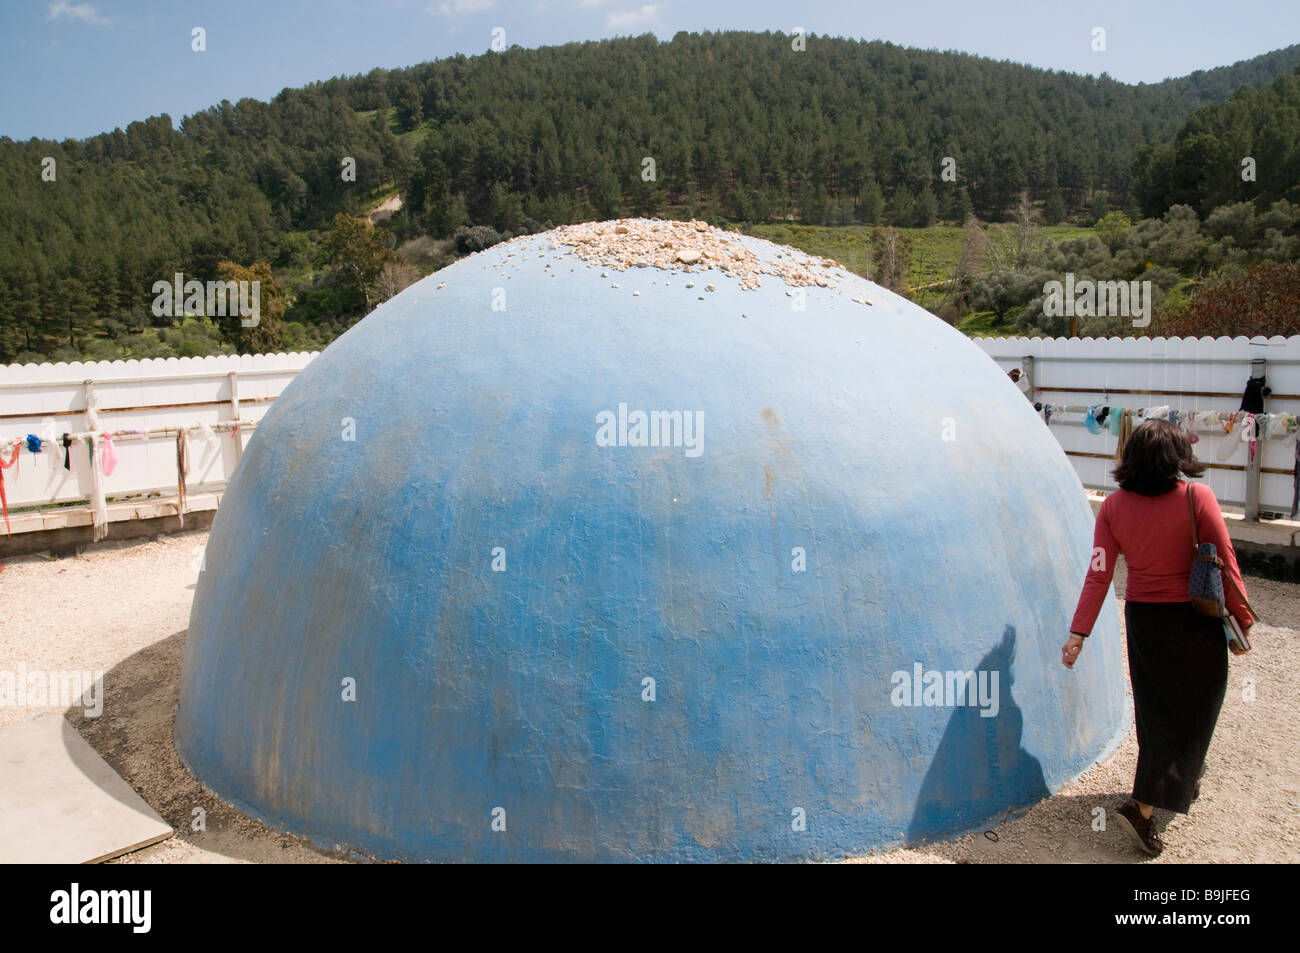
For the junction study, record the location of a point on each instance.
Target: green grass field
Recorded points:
(935, 250)
(935, 253)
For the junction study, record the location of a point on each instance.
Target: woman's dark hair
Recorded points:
(1156, 452)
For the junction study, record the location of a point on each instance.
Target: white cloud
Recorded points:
(75, 11)
(457, 7)
(628, 19)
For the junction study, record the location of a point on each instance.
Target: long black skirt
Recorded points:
(1178, 664)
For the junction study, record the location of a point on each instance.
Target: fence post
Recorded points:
(234, 409)
(1258, 368)
(1027, 372)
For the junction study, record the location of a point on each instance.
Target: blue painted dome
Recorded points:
(643, 541)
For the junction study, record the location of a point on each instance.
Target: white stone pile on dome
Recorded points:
(689, 246)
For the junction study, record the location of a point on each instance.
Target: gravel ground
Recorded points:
(123, 610)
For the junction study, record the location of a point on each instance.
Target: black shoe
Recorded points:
(1139, 829)
(1196, 790)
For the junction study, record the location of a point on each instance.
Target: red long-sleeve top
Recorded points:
(1155, 535)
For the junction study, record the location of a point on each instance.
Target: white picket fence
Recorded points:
(1203, 374)
(164, 395)
(160, 395)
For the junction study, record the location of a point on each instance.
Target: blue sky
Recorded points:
(73, 68)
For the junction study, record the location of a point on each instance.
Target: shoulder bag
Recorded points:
(1205, 585)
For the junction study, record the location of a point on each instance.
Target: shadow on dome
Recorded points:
(962, 789)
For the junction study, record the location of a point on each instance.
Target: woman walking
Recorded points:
(1177, 657)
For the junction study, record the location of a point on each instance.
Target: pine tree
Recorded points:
(871, 203)
(927, 209)
(410, 109)
(904, 211)
(1054, 209)
(965, 207)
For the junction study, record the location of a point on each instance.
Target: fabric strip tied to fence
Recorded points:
(4, 502)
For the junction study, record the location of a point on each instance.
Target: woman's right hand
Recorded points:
(1070, 650)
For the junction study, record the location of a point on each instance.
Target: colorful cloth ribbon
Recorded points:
(1252, 398)
(1232, 433)
(1114, 419)
(4, 502)
(1090, 419)
(108, 459)
(1125, 431)
(1295, 483)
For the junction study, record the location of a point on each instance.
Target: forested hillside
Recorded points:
(739, 127)
(1220, 243)
(1245, 149)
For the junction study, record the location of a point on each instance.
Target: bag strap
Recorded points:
(1191, 508)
